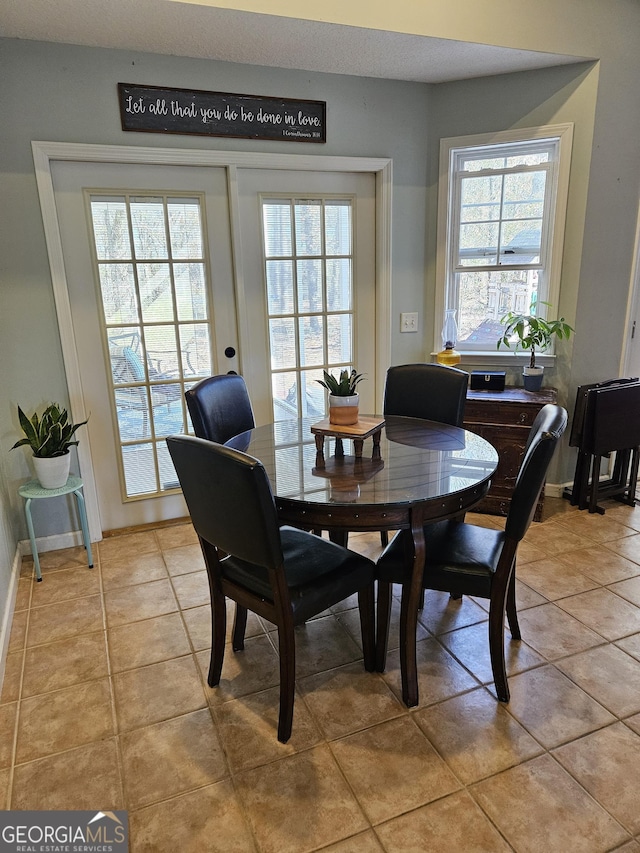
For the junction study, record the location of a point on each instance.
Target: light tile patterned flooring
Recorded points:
(105, 706)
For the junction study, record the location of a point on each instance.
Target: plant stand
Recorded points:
(34, 491)
(365, 427)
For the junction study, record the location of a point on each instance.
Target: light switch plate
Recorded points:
(409, 322)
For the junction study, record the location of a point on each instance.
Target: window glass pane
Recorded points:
(280, 287)
(311, 340)
(118, 292)
(110, 228)
(149, 235)
(168, 476)
(276, 218)
(139, 469)
(132, 413)
(191, 291)
(339, 338)
(156, 296)
(185, 228)
(520, 242)
(312, 395)
(337, 217)
(284, 388)
(480, 199)
(124, 346)
(485, 297)
(166, 401)
(339, 284)
(308, 228)
(162, 352)
(309, 286)
(195, 349)
(282, 340)
(479, 240)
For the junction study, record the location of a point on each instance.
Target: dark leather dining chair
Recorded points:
(283, 574)
(465, 559)
(220, 407)
(433, 392)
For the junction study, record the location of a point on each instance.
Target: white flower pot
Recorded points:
(532, 377)
(343, 411)
(52, 471)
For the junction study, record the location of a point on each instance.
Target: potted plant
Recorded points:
(49, 438)
(532, 333)
(344, 400)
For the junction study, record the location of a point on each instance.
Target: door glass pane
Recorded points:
(280, 287)
(310, 288)
(150, 297)
(308, 228)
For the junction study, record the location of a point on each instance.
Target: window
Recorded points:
(150, 260)
(500, 231)
(308, 258)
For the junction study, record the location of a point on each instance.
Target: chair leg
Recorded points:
(496, 649)
(218, 637)
(287, 652)
(383, 619)
(366, 604)
(512, 613)
(239, 627)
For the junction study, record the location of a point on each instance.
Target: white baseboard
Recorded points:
(556, 490)
(52, 543)
(6, 616)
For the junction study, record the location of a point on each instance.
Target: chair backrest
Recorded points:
(229, 499)
(433, 392)
(220, 407)
(545, 433)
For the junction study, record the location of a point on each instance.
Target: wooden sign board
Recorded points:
(157, 109)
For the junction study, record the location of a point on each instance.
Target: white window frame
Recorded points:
(450, 149)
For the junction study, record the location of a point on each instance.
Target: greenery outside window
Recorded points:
(502, 204)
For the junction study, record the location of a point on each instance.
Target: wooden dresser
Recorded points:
(504, 418)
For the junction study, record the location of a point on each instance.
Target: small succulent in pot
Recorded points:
(49, 435)
(344, 386)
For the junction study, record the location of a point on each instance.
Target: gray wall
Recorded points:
(68, 93)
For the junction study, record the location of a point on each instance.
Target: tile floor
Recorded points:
(105, 705)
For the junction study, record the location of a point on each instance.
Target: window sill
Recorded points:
(502, 360)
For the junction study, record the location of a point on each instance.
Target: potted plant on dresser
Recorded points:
(532, 334)
(344, 399)
(49, 438)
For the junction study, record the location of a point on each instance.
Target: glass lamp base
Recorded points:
(449, 357)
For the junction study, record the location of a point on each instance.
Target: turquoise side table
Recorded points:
(33, 491)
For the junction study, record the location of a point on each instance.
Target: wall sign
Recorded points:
(157, 109)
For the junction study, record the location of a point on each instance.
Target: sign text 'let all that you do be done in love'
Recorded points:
(154, 109)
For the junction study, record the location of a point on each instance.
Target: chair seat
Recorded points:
(318, 573)
(453, 550)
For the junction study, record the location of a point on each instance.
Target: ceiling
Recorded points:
(204, 32)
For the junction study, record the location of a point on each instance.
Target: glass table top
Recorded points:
(418, 461)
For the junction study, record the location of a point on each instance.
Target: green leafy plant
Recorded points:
(49, 435)
(345, 386)
(532, 333)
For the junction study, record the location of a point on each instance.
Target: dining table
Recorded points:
(415, 472)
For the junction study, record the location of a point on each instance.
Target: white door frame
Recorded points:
(44, 153)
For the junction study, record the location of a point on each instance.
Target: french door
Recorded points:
(172, 274)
